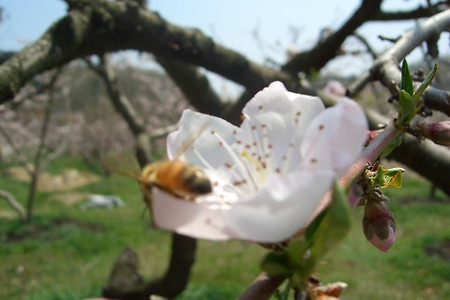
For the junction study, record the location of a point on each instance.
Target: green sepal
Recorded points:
(407, 84)
(385, 178)
(301, 260)
(408, 99)
(396, 142)
(293, 262)
(407, 108)
(425, 83)
(283, 295)
(277, 263)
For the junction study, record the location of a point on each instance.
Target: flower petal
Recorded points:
(275, 213)
(335, 138)
(269, 175)
(280, 209)
(187, 218)
(205, 150)
(274, 124)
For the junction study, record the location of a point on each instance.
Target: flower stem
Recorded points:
(371, 153)
(263, 287)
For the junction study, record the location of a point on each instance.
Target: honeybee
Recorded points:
(179, 178)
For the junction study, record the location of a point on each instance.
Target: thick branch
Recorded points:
(420, 12)
(386, 69)
(108, 26)
(125, 282)
(233, 115)
(427, 159)
(437, 99)
(194, 84)
(317, 57)
(5, 55)
(177, 276)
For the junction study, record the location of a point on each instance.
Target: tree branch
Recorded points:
(14, 205)
(317, 57)
(426, 158)
(437, 99)
(183, 248)
(420, 12)
(262, 288)
(386, 69)
(194, 85)
(100, 26)
(124, 107)
(125, 282)
(369, 48)
(38, 156)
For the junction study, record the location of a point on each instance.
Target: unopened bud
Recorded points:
(335, 88)
(379, 224)
(438, 132)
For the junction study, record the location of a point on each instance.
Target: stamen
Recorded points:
(254, 136)
(257, 164)
(266, 152)
(260, 143)
(316, 140)
(237, 161)
(287, 161)
(215, 171)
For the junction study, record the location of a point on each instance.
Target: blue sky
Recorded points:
(232, 23)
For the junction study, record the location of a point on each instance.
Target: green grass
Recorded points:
(67, 253)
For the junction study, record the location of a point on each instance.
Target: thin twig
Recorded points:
(14, 204)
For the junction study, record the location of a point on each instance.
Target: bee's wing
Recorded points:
(190, 140)
(124, 164)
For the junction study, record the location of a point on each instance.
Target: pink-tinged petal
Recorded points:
(335, 88)
(274, 125)
(275, 96)
(385, 244)
(335, 138)
(281, 208)
(379, 225)
(205, 150)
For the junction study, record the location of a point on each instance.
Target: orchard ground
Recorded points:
(68, 253)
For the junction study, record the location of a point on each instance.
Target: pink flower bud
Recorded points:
(379, 225)
(336, 88)
(438, 132)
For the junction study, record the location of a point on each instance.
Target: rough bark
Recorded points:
(99, 26)
(126, 283)
(317, 57)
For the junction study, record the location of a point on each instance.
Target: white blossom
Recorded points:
(268, 175)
